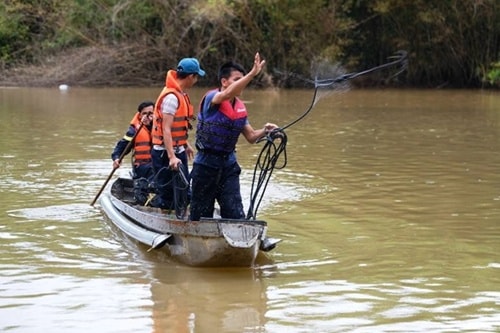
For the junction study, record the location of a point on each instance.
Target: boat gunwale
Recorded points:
(157, 220)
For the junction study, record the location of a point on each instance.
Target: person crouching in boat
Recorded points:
(142, 168)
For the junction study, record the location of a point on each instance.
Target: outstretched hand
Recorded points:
(258, 64)
(268, 127)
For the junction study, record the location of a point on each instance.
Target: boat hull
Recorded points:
(208, 242)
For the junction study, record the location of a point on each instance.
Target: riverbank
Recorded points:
(88, 66)
(134, 66)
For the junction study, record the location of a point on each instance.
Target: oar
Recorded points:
(119, 162)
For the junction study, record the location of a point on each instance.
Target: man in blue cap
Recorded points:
(171, 149)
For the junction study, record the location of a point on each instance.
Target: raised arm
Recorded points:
(235, 88)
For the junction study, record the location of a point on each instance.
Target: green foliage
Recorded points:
(14, 35)
(448, 41)
(493, 75)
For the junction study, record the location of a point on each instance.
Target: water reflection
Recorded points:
(208, 300)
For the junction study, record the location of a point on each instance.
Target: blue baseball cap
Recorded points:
(190, 66)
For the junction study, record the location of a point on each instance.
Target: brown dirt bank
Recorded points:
(89, 66)
(123, 66)
(99, 66)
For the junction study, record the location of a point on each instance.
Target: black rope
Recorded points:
(306, 112)
(270, 153)
(275, 145)
(179, 185)
(401, 59)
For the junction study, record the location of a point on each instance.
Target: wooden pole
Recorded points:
(119, 162)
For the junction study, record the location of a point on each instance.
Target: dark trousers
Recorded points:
(143, 171)
(221, 184)
(142, 175)
(172, 189)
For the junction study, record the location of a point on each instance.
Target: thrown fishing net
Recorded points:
(322, 78)
(326, 78)
(322, 71)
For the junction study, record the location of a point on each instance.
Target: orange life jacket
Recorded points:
(184, 113)
(142, 142)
